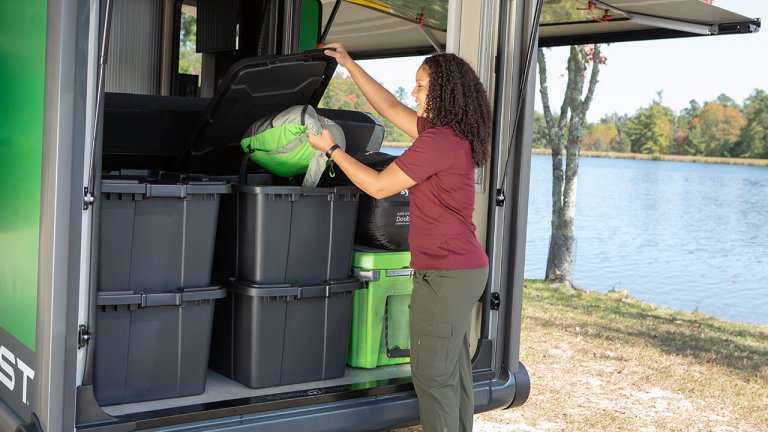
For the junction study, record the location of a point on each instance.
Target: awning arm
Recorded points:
(432, 39)
(683, 26)
(751, 26)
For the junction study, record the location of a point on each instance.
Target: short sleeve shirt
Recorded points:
(442, 233)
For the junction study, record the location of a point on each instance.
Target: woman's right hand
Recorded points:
(339, 53)
(323, 141)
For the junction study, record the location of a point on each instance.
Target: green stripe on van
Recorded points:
(22, 77)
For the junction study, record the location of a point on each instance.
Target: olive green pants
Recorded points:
(441, 306)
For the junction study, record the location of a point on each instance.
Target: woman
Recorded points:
(451, 127)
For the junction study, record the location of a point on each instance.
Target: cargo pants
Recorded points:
(441, 306)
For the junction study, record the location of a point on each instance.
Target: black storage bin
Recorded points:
(362, 131)
(152, 345)
(295, 235)
(225, 251)
(157, 236)
(269, 335)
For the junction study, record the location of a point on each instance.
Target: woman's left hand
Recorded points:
(321, 142)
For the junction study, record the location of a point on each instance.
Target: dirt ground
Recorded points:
(584, 379)
(600, 389)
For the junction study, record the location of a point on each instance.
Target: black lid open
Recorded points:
(252, 89)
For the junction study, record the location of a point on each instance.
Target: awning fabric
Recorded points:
(632, 20)
(376, 28)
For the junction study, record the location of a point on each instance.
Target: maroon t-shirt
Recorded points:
(442, 234)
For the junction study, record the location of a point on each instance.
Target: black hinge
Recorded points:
(500, 198)
(88, 198)
(495, 301)
(83, 336)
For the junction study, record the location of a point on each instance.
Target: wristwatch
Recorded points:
(331, 150)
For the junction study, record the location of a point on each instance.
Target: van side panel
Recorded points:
(22, 79)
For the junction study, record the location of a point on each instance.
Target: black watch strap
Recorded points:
(331, 150)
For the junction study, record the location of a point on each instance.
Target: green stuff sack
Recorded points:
(279, 142)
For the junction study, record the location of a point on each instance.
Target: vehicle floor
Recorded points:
(219, 388)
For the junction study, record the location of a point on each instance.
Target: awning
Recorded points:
(374, 29)
(634, 20)
(379, 28)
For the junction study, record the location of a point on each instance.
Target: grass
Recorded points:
(609, 362)
(618, 317)
(674, 158)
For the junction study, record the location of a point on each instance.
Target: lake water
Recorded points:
(683, 235)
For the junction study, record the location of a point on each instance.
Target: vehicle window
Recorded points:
(190, 61)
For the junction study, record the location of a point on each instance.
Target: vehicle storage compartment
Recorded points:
(152, 345)
(284, 252)
(270, 335)
(137, 133)
(295, 235)
(379, 334)
(156, 236)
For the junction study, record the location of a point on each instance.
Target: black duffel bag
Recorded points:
(381, 223)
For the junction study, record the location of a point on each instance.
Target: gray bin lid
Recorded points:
(164, 190)
(299, 291)
(175, 297)
(347, 193)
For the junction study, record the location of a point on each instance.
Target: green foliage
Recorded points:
(403, 96)
(651, 129)
(621, 143)
(540, 132)
(607, 135)
(753, 141)
(721, 127)
(342, 93)
(694, 143)
(190, 62)
(725, 100)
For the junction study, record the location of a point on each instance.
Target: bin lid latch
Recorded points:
(367, 275)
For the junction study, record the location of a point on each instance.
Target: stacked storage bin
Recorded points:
(155, 301)
(380, 319)
(287, 320)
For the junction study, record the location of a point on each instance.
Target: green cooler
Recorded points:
(379, 335)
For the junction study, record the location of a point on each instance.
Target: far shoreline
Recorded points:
(637, 156)
(662, 157)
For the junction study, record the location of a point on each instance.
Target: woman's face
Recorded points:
(420, 91)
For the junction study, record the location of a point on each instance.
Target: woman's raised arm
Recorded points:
(384, 102)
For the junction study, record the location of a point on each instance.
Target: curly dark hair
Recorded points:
(456, 98)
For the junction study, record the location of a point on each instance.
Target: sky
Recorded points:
(699, 68)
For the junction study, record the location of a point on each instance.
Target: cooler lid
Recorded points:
(368, 258)
(250, 90)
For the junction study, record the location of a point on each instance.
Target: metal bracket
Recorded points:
(88, 198)
(83, 336)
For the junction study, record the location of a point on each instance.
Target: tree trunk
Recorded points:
(564, 181)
